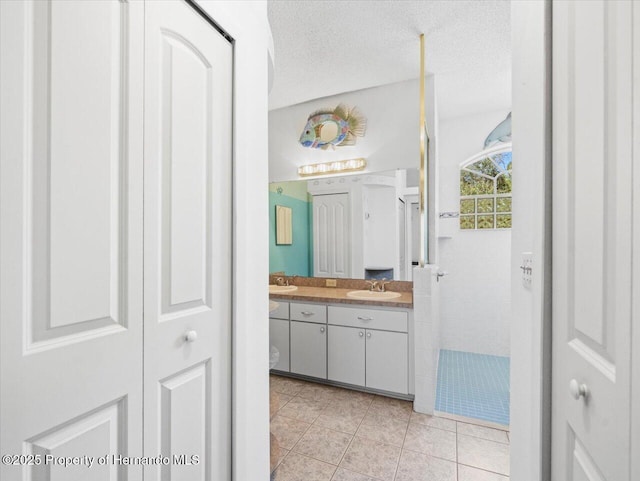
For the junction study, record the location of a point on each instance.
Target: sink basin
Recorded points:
(273, 289)
(373, 295)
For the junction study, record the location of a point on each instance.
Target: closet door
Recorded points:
(187, 236)
(71, 235)
(331, 235)
(593, 167)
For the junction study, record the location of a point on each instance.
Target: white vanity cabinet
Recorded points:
(369, 347)
(359, 345)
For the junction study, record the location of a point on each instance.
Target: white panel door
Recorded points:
(71, 194)
(187, 239)
(387, 363)
(331, 235)
(345, 355)
(592, 163)
(308, 354)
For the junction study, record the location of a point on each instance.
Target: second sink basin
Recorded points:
(274, 289)
(373, 295)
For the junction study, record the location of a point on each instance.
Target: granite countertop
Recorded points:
(339, 295)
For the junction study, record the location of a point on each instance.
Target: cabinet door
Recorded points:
(387, 361)
(309, 349)
(345, 350)
(279, 337)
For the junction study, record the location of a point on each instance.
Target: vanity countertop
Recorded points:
(339, 295)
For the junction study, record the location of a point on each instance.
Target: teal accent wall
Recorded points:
(292, 259)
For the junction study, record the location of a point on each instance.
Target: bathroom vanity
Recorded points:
(326, 336)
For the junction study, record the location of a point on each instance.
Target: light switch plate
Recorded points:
(526, 268)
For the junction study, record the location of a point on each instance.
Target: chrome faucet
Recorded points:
(282, 281)
(378, 286)
(382, 284)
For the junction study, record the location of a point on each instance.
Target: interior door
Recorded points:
(71, 235)
(331, 235)
(592, 135)
(402, 240)
(187, 239)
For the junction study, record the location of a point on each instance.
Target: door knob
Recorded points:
(190, 336)
(578, 390)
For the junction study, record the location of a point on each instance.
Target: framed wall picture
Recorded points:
(284, 231)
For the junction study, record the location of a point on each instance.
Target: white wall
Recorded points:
(475, 302)
(391, 140)
(246, 22)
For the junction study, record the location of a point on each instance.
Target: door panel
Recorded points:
(321, 240)
(591, 239)
(309, 349)
(187, 241)
(71, 217)
(185, 401)
(345, 354)
(91, 435)
(341, 241)
(387, 361)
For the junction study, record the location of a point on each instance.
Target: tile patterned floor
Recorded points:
(332, 434)
(473, 385)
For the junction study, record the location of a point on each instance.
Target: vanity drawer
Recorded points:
(281, 312)
(308, 312)
(368, 318)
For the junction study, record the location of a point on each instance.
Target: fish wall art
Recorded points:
(333, 128)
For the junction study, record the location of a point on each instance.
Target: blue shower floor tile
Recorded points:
(473, 385)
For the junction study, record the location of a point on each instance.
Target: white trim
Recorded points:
(530, 328)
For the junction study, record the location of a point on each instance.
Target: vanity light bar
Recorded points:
(335, 167)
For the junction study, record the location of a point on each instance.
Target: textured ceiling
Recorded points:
(328, 47)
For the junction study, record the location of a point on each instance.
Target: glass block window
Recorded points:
(485, 191)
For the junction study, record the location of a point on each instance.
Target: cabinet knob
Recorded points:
(361, 334)
(190, 336)
(368, 334)
(578, 390)
(322, 329)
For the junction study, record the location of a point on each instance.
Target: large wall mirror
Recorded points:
(363, 226)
